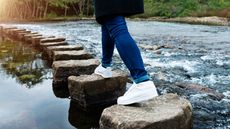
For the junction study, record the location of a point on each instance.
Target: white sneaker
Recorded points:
(138, 93)
(104, 72)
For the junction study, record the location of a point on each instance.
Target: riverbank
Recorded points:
(213, 20)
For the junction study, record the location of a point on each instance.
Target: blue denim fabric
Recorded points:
(115, 32)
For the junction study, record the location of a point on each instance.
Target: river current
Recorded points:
(190, 54)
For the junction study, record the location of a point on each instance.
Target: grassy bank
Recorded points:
(185, 8)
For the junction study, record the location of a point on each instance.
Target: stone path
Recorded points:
(73, 69)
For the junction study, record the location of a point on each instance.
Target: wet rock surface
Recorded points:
(48, 51)
(92, 91)
(164, 112)
(36, 40)
(201, 89)
(52, 40)
(48, 44)
(63, 69)
(63, 48)
(71, 55)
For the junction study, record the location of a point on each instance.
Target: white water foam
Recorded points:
(212, 79)
(187, 65)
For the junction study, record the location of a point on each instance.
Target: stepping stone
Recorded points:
(48, 40)
(21, 35)
(93, 91)
(63, 48)
(71, 55)
(14, 32)
(164, 112)
(6, 30)
(48, 52)
(45, 45)
(36, 40)
(1, 31)
(17, 34)
(29, 37)
(63, 69)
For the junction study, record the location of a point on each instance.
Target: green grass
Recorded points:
(182, 8)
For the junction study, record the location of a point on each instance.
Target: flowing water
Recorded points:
(196, 54)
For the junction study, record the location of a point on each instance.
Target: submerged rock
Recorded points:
(202, 89)
(154, 47)
(164, 112)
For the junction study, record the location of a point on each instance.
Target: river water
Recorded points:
(194, 54)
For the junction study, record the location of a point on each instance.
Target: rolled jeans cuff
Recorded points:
(142, 79)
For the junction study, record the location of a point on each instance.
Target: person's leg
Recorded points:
(107, 52)
(142, 89)
(127, 48)
(107, 47)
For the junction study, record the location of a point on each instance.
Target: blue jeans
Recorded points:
(115, 32)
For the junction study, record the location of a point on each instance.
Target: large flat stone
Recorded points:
(14, 32)
(92, 91)
(63, 69)
(17, 34)
(71, 55)
(6, 30)
(74, 67)
(164, 112)
(48, 52)
(43, 46)
(22, 34)
(63, 48)
(48, 40)
(29, 38)
(36, 40)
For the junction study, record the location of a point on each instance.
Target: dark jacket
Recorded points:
(107, 8)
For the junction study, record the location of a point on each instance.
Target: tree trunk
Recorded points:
(46, 8)
(66, 9)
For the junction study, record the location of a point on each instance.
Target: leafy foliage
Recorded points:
(180, 8)
(30, 9)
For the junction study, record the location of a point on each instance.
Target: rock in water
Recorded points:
(93, 91)
(164, 112)
(201, 89)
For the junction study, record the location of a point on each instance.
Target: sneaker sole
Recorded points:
(138, 99)
(110, 76)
